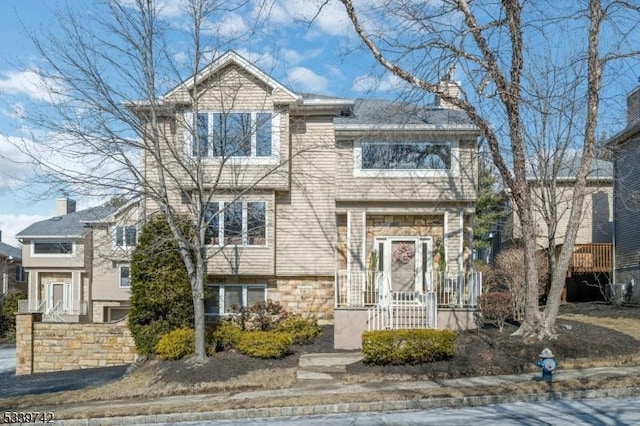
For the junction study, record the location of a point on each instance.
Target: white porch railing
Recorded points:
(366, 289)
(75, 307)
(404, 311)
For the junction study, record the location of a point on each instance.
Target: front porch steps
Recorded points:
(325, 367)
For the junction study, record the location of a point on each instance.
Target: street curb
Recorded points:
(354, 407)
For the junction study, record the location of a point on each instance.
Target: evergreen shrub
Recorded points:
(396, 347)
(176, 344)
(264, 344)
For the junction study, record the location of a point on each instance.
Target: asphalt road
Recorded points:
(12, 385)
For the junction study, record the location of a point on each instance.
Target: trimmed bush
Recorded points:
(176, 344)
(226, 336)
(495, 307)
(303, 331)
(383, 347)
(264, 344)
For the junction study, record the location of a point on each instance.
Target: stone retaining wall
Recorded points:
(46, 346)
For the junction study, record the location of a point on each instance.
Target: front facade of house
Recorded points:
(626, 208)
(341, 210)
(78, 263)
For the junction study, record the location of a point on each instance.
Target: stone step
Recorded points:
(330, 360)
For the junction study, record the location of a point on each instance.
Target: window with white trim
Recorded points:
(125, 236)
(124, 276)
(244, 223)
(233, 134)
(52, 248)
(405, 158)
(222, 298)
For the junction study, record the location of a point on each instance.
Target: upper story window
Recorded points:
(405, 159)
(234, 135)
(126, 236)
(21, 274)
(243, 223)
(52, 248)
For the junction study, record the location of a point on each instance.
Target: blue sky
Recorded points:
(317, 58)
(304, 58)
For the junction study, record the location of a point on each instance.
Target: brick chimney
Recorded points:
(633, 107)
(65, 206)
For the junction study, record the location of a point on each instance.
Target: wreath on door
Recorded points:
(403, 253)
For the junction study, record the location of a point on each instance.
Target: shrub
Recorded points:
(8, 310)
(384, 347)
(264, 344)
(303, 331)
(495, 307)
(226, 336)
(263, 316)
(176, 344)
(161, 298)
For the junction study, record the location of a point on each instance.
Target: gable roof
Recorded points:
(231, 57)
(600, 170)
(72, 225)
(6, 250)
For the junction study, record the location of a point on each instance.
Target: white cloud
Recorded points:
(369, 83)
(331, 20)
(30, 84)
(15, 166)
(306, 80)
(232, 25)
(11, 224)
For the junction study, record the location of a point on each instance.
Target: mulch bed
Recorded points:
(479, 352)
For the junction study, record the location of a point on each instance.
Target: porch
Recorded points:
(60, 311)
(367, 301)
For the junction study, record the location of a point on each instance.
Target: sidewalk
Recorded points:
(320, 381)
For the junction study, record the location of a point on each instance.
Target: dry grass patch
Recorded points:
(628, 326)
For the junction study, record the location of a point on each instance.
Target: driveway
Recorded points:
(7, 359)
(12, 385)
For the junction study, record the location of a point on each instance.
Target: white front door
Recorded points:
(58, 297)
(404, 264)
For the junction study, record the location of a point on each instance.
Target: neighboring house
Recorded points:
(78, 262)
(591, 263)
(12, 274)
(626, 209)
(356, 212)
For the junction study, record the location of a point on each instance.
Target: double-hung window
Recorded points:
(237, 223)
(126, 236)
(233, 135)
(21, 274)
(222, 299)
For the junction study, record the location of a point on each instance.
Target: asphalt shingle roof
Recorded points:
(375, 111)
(6, 250)
(69, 225)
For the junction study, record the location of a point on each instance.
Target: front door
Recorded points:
(404, 263)
(58, 297)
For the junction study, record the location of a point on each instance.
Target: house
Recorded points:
(12, 274)
(591, 263)
(625, 146)
(356, 212)
(78, 262)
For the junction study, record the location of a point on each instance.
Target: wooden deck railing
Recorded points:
(591, 258)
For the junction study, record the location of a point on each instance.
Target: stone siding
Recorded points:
(44, 346)
(310, 297)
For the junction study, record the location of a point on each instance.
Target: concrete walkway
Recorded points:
(320, 379)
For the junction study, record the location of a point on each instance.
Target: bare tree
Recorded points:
(495, 45)
(106, 73)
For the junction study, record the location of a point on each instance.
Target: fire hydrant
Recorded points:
(548, 364)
